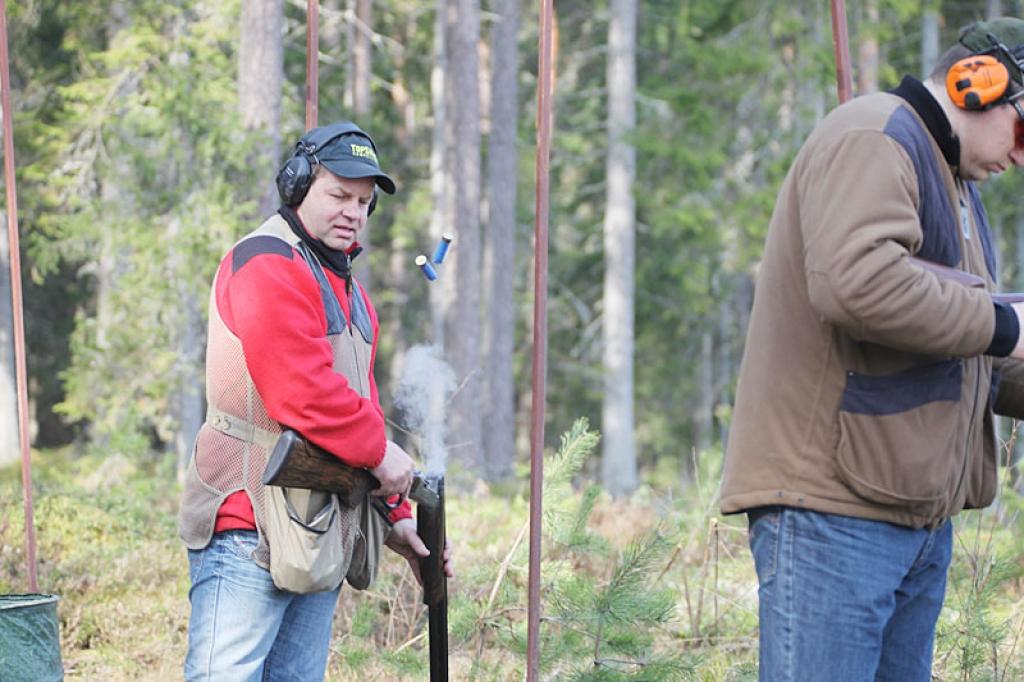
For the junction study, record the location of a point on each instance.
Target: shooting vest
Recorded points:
(233, 444)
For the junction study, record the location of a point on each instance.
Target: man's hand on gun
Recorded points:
(404, 540)
(394, 472)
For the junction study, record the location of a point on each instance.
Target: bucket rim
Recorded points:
(24, 600)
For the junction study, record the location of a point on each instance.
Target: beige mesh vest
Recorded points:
(231, 448)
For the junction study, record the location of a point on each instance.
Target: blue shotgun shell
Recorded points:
(427, 268)
(442, 248)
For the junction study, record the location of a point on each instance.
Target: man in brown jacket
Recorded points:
(864, 415)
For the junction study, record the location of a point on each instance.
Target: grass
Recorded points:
(108, 546)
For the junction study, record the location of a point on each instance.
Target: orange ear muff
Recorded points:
(977, 82)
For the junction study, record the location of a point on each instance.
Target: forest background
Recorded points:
(147, 136)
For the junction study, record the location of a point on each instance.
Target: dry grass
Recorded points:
(111, 552)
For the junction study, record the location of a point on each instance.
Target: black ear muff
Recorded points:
(978, 82)
(373, 203)
(296, 175)
(294, 179)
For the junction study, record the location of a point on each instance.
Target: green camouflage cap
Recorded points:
(987, 36)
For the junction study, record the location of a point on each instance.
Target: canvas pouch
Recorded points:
(306, 539)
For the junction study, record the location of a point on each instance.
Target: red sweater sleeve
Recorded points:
(273, 304)
(403, 511)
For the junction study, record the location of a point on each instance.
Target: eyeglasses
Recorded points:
(1015, 101)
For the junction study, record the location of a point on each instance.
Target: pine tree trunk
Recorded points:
(359, 73)
(867, 54)
(186, 402)
(619, 469)
(190, 403)
(440, 170)
(362, 58)
(333, 36)
(727, 350)
(500, 249)
(929, 41)
(812, 91)
(463, 335)
(401, 275)
(260, 78)
(9, 438)
(703, 424)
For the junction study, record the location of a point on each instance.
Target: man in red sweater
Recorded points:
(292, 342)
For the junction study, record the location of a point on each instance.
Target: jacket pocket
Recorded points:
(899, 434)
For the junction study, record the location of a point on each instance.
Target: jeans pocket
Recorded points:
(195, 564)
(241, 543)
(763, 537)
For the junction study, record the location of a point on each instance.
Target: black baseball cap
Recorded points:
(351, 154)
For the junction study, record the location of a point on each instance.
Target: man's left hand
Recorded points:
(404, 540)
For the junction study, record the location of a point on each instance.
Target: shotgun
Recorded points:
(430, 527)
(298, 463)
(964, 278)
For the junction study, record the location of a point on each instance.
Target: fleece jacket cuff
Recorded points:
(1007, 331)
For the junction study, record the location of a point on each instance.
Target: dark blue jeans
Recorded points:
(845, 599)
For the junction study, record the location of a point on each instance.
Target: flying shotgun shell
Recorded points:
(442, 249)
(428, 270)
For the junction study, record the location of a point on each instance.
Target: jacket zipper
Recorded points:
(965, 239)
(967, 449)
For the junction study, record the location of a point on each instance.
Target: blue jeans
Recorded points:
(243, 628)
(846, 599)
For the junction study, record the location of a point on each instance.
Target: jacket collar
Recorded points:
(935, 119)
(338, 262)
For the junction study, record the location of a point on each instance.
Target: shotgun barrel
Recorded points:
(964, 278)
(430, 526)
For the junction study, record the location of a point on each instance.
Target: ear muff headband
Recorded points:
(977, 82)
(296, 175)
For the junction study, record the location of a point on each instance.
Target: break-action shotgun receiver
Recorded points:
(297, 463)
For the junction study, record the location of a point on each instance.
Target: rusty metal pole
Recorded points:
(841, 40)
(312, 63)
(540, 333)
(16, 301)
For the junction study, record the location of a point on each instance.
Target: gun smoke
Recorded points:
(422, 396)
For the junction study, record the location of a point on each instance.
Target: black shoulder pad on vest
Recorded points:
(254, 246)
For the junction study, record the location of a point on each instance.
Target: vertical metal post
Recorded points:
(312, 63)
(540, 334)
(16, 301)
(841, 40)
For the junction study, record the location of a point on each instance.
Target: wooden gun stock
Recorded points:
(963, 278)
(297, 463)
